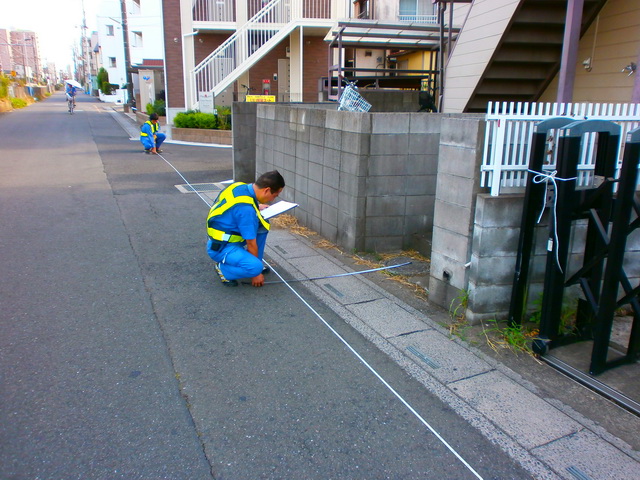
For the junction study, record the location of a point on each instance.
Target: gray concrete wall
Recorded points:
(364, 181)
(458, 185)
(244, 141)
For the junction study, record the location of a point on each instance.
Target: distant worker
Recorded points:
(71, 92)
(238, 232)
(150, 135)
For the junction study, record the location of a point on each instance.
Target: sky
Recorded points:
(57, 24)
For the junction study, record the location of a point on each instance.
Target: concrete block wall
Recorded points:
(363, 181)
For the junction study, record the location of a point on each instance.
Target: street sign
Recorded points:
(206, 102)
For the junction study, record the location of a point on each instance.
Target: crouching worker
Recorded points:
(238, 233)
(150, 135)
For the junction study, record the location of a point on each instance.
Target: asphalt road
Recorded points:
(122, 356)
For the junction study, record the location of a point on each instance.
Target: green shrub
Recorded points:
(192, 119)
(160, 108)
(105, 87)
(224, 118)
(103, 77)
(157, 107)
(4, 86)
(195, 119)
(18, 102)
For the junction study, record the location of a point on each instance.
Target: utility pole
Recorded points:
(83, 48)
(127, 60)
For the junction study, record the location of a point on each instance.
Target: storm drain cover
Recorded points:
(200, 187)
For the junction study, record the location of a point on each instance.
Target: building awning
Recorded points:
(386, 35)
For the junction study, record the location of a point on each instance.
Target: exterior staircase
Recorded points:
(249, 43)
(529, 53)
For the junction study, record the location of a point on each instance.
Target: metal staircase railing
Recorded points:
(250, 42)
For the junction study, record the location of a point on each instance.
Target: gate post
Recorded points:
(533, 199)
(570, 204)
(614, 274)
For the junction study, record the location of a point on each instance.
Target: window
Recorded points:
(112, 62)
(109, 30)
(137, 39)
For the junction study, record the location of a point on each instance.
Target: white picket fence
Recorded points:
(510, 127)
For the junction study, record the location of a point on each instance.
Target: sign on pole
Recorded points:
(206, 102)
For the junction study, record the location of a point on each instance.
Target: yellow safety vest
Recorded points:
(154, 128)
(224, 202)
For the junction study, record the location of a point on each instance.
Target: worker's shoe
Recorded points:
(225, 282)
(148, 152)
(266, 270)
(158, 150)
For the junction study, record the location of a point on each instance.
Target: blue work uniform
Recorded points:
(150, 135)
(233, 228)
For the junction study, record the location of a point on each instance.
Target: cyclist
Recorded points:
(71, 95)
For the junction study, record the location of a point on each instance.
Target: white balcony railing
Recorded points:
(249, 42)
(214, 11)
(426, 19)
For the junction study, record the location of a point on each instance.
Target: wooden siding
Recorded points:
(617, 43)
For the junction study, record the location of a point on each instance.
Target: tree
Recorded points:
(103, 81)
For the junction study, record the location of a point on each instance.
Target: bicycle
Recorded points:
(71, 103)
(351, 100)
(248, 91)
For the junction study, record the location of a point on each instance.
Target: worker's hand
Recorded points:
(258, 281)
(153, 150)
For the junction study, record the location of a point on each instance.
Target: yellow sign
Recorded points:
(261, 98)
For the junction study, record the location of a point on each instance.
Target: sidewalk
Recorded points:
(545, 435)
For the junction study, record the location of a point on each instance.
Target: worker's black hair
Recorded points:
(272, 180)
(153, 116)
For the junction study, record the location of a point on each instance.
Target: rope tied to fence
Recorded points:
(542, 177)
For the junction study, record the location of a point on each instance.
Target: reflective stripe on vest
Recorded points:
(224, 202)
(154, 128)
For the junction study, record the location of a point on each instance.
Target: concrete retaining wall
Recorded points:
(201, 135)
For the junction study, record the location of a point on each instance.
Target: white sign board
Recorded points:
(206, 102)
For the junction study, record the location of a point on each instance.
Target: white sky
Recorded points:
(57, 24)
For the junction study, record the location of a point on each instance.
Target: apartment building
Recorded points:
(530, 51)
(145, 46)
(6, 56)
(466, 52)
(292, 50)
(20, 53)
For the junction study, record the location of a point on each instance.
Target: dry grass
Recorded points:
(290, 223)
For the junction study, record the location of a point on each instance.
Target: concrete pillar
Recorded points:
(458, 184)
(188, 55)
(295, 64)
(570, 51)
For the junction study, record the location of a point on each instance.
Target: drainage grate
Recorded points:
(423, 357)
(201, 187)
